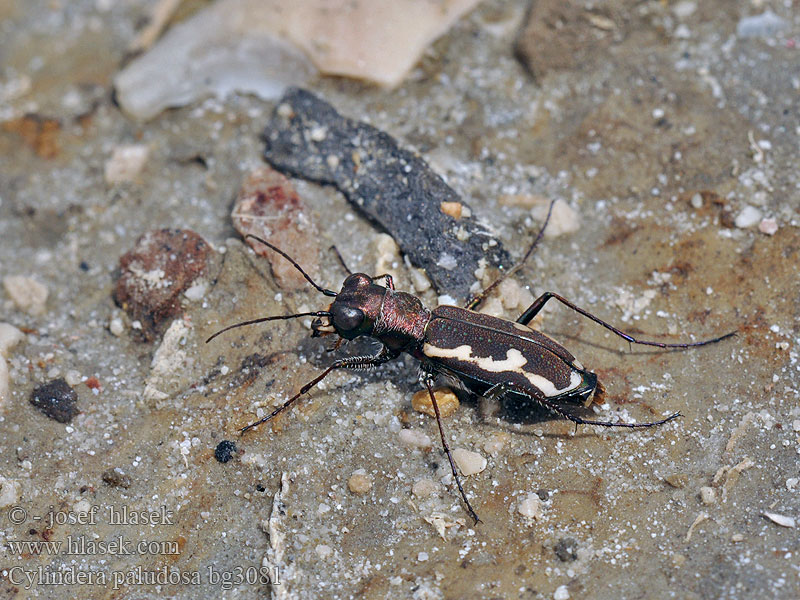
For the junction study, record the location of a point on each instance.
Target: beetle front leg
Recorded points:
(353, 362)
(539, 303)
(389, 280)
(429, 384)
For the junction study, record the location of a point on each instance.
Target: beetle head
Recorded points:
(355, 309)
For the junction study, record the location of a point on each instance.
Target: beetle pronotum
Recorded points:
(488, 355)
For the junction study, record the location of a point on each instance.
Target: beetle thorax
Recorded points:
(402, 320)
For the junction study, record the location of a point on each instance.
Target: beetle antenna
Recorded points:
(316, 313)
(476, 300)
(341, 260)
(294, 264)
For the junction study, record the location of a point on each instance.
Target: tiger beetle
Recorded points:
(488, 356)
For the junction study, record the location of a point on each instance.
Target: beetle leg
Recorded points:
(554, 407)
(537, 305)
(388, 278)
(476, 300)
(429, 385)
(496, 392)
(353, 362)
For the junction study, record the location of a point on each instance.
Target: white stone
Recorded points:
(782, 520)
(26, 293)
(116, 326)
(10, 336)
(324, 551)
(708, 495)
(531, 507)
(9, 491)
(424, 488)
(749, 217)
(564, 219)
(468, 462)
(125, 164)
(768, 226)
(415, 438)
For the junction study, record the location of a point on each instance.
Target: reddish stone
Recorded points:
(268, 206)
(161, 266)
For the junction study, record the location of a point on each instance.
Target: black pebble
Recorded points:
(56, 399)
(225, 451)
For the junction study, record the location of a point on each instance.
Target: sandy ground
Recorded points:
(665, 136)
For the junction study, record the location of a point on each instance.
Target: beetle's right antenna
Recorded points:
(476, 300)
(294, 263)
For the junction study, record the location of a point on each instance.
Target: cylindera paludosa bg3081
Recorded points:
(488, 356)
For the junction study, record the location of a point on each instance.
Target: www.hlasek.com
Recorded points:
(71, 575)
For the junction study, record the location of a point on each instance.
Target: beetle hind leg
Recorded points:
(556, 408)
(539, 303)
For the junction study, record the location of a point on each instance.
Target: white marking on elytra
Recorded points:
(513, 363)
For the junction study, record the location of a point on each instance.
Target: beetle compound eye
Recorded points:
(347, 318)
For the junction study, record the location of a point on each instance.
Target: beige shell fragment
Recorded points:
(260, 46)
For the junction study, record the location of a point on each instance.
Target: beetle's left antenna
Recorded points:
(316, 313)
(294, 263)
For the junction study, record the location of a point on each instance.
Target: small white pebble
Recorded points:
(323, 508)
(768, 226)
(796, 425)
(697, 201)
(531, 507)
(415, 438)
(196, 291)
(737, 537)
(469, 463)
(318, 133)
(422, 556)
(126, 162)
(424, 488)
(782, 520)
(116, 326)
(359, 482)
(323, 551)
(445, 300)
(561, 593)
(27, 294)
(564, 219)
(10, 336)
(73, 377)
(9, 491)
(708, 495)
(749, 216)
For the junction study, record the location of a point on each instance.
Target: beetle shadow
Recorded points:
(513, 412)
